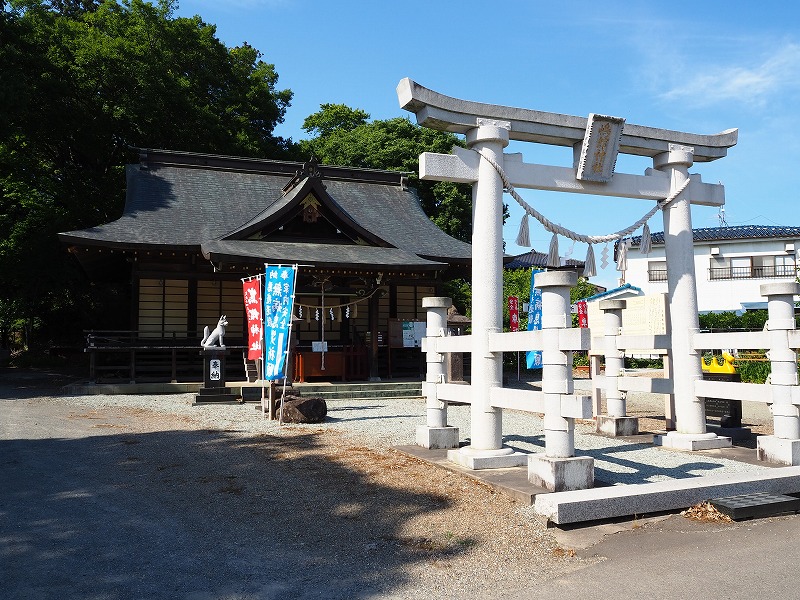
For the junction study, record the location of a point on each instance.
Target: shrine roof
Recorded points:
(318, 255)
(183, 200)
(737, 232)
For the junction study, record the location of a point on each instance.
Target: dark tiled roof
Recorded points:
(738, 232)
(185, 200)
(318, 255)
(537, 260)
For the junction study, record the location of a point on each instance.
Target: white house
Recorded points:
(730, 264)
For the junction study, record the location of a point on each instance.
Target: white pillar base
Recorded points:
(561, 474)
(617, 426)
(692, 441)
(437, 437)
(778, 450)
(473, 459)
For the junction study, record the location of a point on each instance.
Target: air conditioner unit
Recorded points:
(714, 251)
(789, 247)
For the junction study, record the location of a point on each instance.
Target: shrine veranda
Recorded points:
(596, 141)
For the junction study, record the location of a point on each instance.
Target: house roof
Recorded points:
(210, 203)
(738, 232)
(537, 260)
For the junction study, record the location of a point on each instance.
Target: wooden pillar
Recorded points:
(374, 374)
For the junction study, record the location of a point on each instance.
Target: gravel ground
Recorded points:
(149, 497)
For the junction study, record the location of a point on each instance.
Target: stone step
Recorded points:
(355, 391)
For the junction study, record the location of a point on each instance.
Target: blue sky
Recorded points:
(701, 67)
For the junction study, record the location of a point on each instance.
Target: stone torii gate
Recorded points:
(596, 141)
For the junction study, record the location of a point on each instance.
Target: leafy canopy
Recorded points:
(345, 136)
(83, 83)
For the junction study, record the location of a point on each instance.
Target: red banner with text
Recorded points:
(513, 313)
(252, 308)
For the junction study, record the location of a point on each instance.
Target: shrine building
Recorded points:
(195, 225)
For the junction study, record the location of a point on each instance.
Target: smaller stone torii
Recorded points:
(596, 142)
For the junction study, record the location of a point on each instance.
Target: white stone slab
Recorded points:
(623, 500)
(476, 460)
(692, 442)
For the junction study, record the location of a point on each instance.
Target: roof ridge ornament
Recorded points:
(309, 170)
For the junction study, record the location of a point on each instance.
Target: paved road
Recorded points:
(675, 559)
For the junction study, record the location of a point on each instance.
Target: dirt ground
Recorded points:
(128, 503)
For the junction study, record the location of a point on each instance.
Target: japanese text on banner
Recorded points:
(252, 308)
(534, 357)
(513, 313)
(278, 305)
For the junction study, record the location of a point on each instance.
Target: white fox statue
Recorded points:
(216, 337)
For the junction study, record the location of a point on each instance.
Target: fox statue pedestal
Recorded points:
(214, 389)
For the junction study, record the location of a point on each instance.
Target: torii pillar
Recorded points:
(690, 414)
(486, 447)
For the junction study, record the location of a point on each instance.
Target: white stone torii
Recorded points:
(488, 129)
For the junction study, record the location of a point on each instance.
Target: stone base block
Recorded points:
(692, 441)
(216, 395)
(735, 433)
(504, 458)
(561, 474)
(617, 426)
(437, 437)
(778, 450)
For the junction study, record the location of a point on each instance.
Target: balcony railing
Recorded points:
(772, 272)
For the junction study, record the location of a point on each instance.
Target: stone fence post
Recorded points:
(784, 446)
(436, 433)
(616, 422)
(559, 469)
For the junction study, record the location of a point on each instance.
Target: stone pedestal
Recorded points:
(561, 474)
(214, 389)
(692, 441)
(476, 460)
(437, 437)
(778, 450)
(617, 426)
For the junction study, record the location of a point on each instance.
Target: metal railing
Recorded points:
(767, 272)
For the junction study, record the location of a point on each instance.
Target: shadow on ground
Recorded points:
(200, 514)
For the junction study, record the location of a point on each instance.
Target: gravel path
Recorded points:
(149, 497)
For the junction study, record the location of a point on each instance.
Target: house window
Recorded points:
(741, 267)
(657, 270)
(756, 267)
(785, 266)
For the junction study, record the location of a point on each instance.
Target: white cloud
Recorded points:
(753, 85)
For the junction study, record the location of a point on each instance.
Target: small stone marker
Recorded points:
(759, 504)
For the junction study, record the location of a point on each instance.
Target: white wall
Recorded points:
(719, 294)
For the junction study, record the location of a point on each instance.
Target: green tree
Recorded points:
(82, 84)
(345, 136)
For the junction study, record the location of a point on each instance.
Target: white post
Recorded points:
(487, 288)
(486, 448)
(436, 433)
(559, 432)
(683, 313)
(616, 421)
(612, 320)
(558, 469)
(784, 446)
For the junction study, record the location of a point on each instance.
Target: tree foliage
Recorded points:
(83, 83)
(345, 136)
